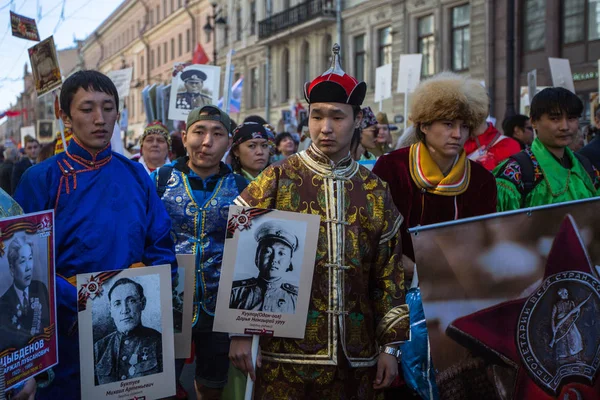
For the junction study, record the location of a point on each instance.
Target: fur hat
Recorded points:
(448, 96)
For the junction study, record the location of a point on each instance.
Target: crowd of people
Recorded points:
(113, 213)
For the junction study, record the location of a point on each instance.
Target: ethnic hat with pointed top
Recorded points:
(335, 85)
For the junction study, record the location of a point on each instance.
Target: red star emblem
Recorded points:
(550, 338)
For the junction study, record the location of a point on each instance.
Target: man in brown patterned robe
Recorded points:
(357, 313)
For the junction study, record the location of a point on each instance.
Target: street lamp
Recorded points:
(217, 19)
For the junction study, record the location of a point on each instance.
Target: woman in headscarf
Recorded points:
(251, 149)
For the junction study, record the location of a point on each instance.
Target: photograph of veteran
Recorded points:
(133, 350)
(193, 96)
(272, 290)
(24, 310)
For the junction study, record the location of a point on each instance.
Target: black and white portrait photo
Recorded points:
(269, 281)
(127, 329)
(193, 86)
(24, 301)
(45, 130)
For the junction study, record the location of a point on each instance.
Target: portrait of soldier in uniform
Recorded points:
(273, 290)
(194, 96)
(24, 305)
(132, 350)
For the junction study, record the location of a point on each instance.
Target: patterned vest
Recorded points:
(200, 229)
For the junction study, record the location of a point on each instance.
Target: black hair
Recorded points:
(256, 118)
(90, 81)
(279, 138)
(125, 281)
(510, 123)
(177, 146)
(555, 100)
(355, 140)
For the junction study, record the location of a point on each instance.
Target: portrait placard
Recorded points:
(126, 346)
(45, 130)
(193, 86)
(383, 83)
(28, 342)
(44, 66)
(122, 80)
(409, 72)
(266, 275)
(560, 68)
(23, 27)
(27, 131)
(183, 304)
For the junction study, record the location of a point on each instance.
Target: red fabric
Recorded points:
(422, 208)
(200, 56)
(497, 153)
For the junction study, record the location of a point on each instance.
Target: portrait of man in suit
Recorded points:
(24, 306)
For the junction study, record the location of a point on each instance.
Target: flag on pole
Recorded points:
(235, 104)
(200, 56)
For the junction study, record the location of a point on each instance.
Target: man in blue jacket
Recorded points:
(107, 213)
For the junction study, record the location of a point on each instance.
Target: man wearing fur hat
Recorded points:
(155, 146)
(357, 313)
(433, 181)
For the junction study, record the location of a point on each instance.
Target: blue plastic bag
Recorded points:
(415, 361)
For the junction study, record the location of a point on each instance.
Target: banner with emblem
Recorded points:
(28, 342)
(193, 86)
(512, 302)
(126, 345)
(266, 275)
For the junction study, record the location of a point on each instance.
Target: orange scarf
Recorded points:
(427, 175)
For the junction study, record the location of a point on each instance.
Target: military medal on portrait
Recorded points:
(266, 275)
(193, 86)
(28, 342)
(126, 345)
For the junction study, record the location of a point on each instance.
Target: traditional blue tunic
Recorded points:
(107, 217)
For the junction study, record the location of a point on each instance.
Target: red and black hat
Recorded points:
(335, 85)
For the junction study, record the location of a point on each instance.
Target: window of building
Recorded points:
(461, 37)
(252, 17)
(254, 88)
(172, 49)
(158, 58)
(359, 57)
(157, 14)
(594, 19)
(139, 26)
(150, 18)
(151, 59)
(164, 9)
(226, 36)
(172, 6)
(285, 68)
(188, 41)
(165, 52)
(426, 44)
(141, 65)
(305, 56)
(534, 24)
(384, 42)
(179, 3)
(180, 45)
(573, 21)
(238, 24)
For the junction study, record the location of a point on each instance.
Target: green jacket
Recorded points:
(553, 182)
